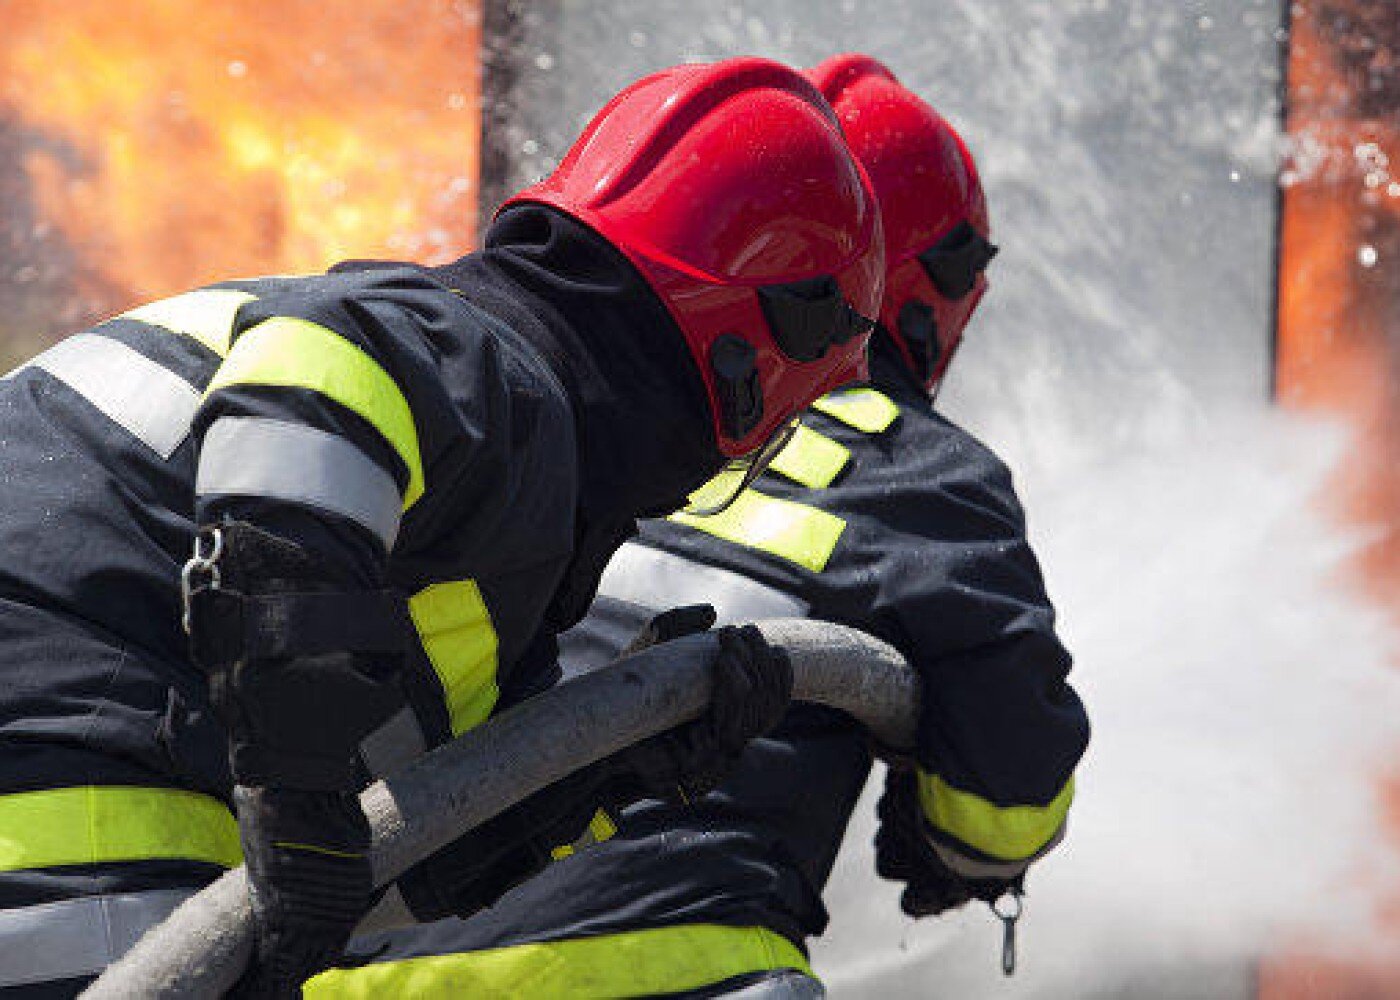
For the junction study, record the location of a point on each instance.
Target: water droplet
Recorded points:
(544, 61)
(1367, 255)
(237, 68)
(1394, 189)
(637, 39)
(1234, 176)
(529, 147)
(457, 102)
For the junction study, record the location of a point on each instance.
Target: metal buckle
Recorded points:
(1008, 913)
(200, 572)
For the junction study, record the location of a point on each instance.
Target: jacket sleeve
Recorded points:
(314, 424)
(960, 592)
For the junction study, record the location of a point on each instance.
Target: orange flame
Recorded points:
(1339, 280)
(1339, 338)
(169, 144)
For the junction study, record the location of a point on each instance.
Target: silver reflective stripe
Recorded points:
(783, 986)
(206, 315)
(975, 868)
(255, 456)
(153, 403)
(655, 579)
(393, 744)
(77, 937)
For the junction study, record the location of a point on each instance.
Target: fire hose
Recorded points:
(204, 946)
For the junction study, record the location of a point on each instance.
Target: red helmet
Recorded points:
(730, 188)
(935, 215)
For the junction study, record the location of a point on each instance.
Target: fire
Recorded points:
(167, 144)
(1339, 338)
(1339, 280)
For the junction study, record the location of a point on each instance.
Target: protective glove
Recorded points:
(904, 852)
(309, 877)
(303, 664)
(752, 685)
(673, 623)
(483, 864)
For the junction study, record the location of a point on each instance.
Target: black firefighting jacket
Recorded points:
(882, 515)
(479, 436)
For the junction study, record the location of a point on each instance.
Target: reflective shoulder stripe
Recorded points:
(97, 824)
(811, 459)
(455, 628)
(654, 578)
(71, 938)
(1010, 833)
(260, 457)
(292, 352)
(150, 401)
(793, 531)
(206, 315)
(865, 409)
(653, 962)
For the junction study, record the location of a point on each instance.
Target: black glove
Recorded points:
(905, 853)
(752, 684)
(309, 877)
(483, 864)
(302, 667)
(673, 623)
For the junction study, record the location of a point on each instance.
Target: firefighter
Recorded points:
(883, 515)
(267, 539)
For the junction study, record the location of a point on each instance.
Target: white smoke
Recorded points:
(1243, 709)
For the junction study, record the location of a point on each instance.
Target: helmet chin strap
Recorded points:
(937, 387)
(740, 474)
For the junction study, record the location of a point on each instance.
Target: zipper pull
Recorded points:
(1008, 914)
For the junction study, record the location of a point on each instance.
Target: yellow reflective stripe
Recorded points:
(1010, 833)
(206, 315)
(652, 962)
(811, 459)
(600, 828)
(792, 531)
(95, 824)
(455, 628)
(293, 845)
(293, 352)
(865, 409)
